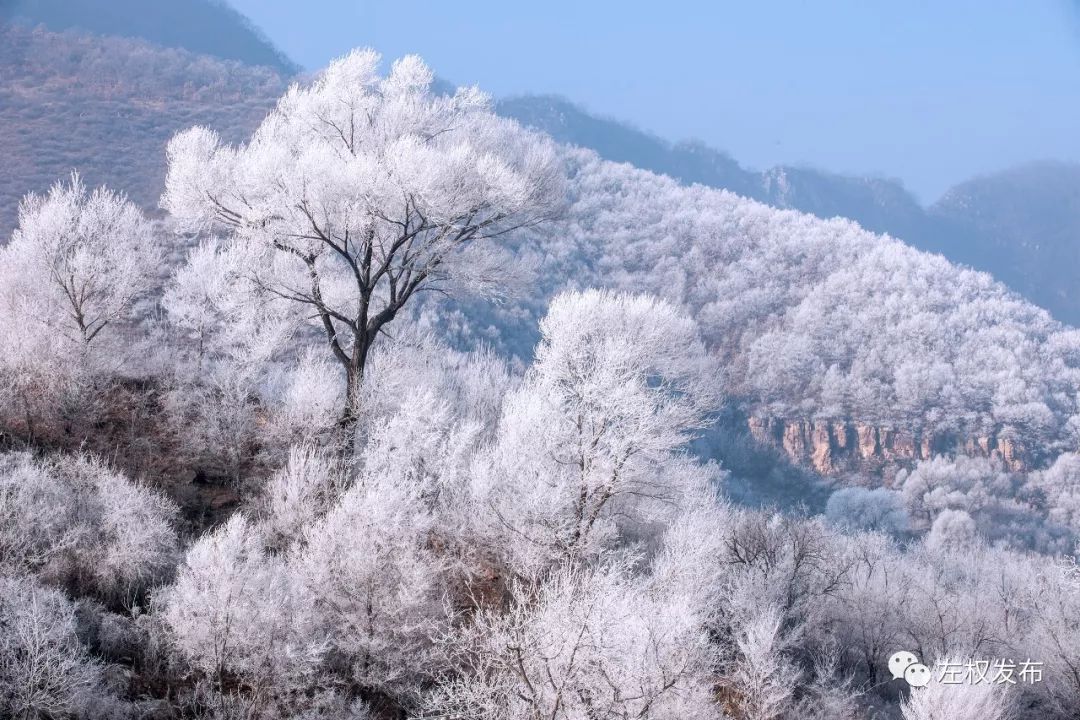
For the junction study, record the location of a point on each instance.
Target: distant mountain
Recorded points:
(1025, 224)
(619, 142)
(1021, 225)
(878, 204)
(107, 106)
(209, 27)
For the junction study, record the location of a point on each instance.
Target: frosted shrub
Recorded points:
(374, 582)
(863, 509)
(45, 672)
(583, 643)
(38, 519)
(301, 492)
(965, 701)
(236, 610)
(308, 405)
(73, 519)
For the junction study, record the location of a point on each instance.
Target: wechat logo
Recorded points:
(906, 665)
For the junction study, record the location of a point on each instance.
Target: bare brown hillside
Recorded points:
(107, 106)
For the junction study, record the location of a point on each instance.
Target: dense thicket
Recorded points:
(445, 572)
(1017, 224)
(812, 318)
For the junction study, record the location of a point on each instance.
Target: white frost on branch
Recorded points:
(359, 191)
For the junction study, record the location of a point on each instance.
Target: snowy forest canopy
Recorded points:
(410, 432)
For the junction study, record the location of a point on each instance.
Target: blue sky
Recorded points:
(928, 92)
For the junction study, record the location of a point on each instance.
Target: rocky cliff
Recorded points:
(834, 447)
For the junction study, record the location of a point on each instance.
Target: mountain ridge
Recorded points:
(1035, 249)
(208, 27)
(107, 106)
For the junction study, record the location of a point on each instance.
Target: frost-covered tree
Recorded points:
(859, 508)
(45, 671)
(593, 442)
(372, 565)
(214, 393)
(1059, 484)
(792, 564)
(779, 655)
(961, 483)
(300, 493)
(584, 643)
(73, 270)
(865, 616)
(78, 261)
(623, 636)
(760, 681)
(75, 521)
(961, 600)
(952, 530)
(1053, 594)
(359, 191)
(237, 611)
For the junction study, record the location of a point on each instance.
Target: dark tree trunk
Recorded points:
(354, 379)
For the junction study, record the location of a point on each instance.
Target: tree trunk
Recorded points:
(351, 412)
(354, 379)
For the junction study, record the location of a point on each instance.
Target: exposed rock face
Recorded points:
(795, 441)
(1013, 453)
(868, 441)
(900, 445)
(836, 446)
(821, 443)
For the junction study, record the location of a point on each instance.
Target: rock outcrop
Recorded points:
(833, 447)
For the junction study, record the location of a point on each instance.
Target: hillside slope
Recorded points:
(207, 27)
(814, 319)
(1021, 225)
(107, 106)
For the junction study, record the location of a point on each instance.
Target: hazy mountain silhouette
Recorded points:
(1024, 225)
(209, 27)
(620, 142)
(107, 106)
